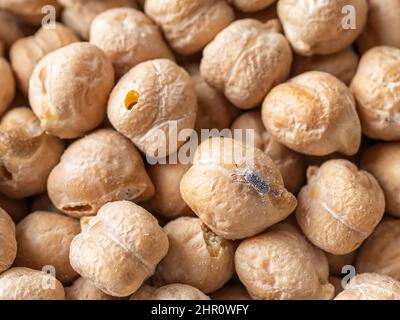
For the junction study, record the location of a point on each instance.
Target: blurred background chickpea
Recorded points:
(8, 242)
(182, 21)
(79, 14)
(128, 37)
(175, 291)
(26, 52)
(7, 85)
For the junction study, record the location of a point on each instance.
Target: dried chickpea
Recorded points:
(196, 256)
(175, 291)
(319, 27)
(231, 292)
(150, 99)
(99, 168)
(10, 29)
(383, 162)
(376, 87)
(339, 207)
(214, 110)
(291, 165)
(167, 200)
(17, 209)
(29, 11)
(313, 113)
(8, 243)
(29, 284)
(337, 262)
(7, 85)
(125, 241)
(383, 21)
(380, 252)
(342, 65)
(251, 5)
(27, 154)
(370, 286)
(69, 88)
(26, 52)
(44, 239)
(79, 14)
(84, 289)
(281, 264)
(255, 59)
(183, 21)
(216, 180)
(128, 37)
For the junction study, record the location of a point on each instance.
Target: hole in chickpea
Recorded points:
(131, 99)
(5, 174)
(78, 208)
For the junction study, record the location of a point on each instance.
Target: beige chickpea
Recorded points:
(224, 171)
(281, 264)
(196, 256)
(342, 65)
(17, 209)
(183, 21)
(125, 241)
(69, 88)
(322, 27)
(29, 284)
(339, 207)
(25, 53)
(10, 29)
(128, 37)
(167, 200)
(337, 262)
(8, 243)
(251, 5)
(214, 110)
(313, 113)
(29, 11)
(371, 286)
(231, 292)
(84, 289)
(255, 59)
(376, 87)
(383, 162)
(291, 165)
(99, 168)
(7, 85)
(149, 102)
(383, 20)
(79, 14)
(175, 291)
(27, 154)
(44, 239)
(380, 252)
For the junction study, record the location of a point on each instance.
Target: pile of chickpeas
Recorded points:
(85, 215)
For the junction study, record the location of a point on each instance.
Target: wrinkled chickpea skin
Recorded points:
(182, 21)
(27, 154)
(128, 243)
(26, 52)
(256, 59)
(84, 179)
(174, 291)
(339, 207)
